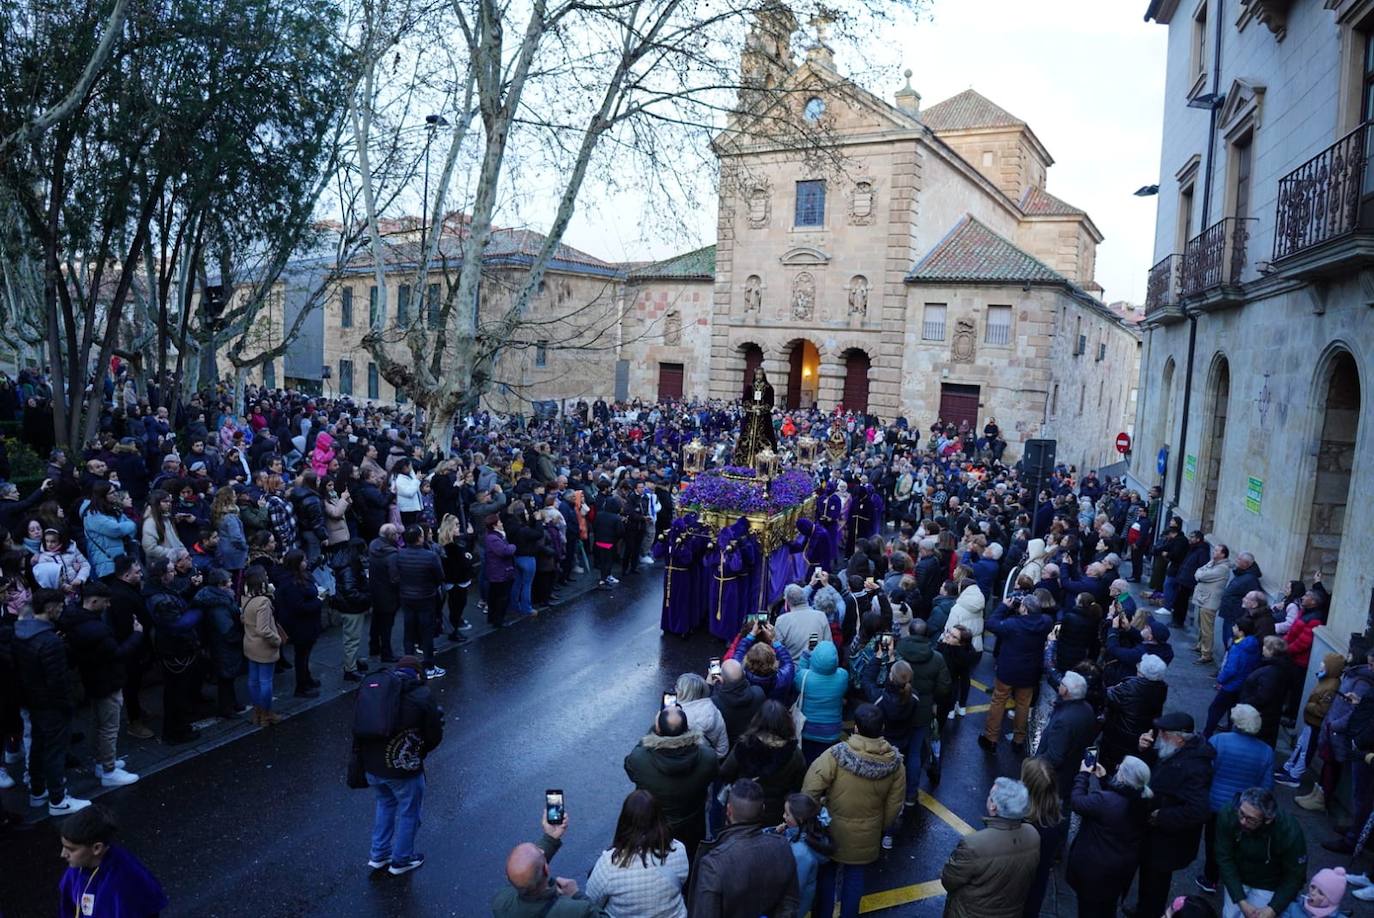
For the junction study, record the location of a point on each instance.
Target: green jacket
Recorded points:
(509, 903)
(1273, 858)
(930, 678)
(678, 771)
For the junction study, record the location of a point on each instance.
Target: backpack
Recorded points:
(377, 709)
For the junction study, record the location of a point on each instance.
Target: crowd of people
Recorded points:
(201, 544)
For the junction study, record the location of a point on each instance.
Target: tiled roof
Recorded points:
(696, 265)
(967, 110)
(973, 253)
(1037, 202)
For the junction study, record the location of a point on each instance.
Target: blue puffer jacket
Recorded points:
(825, 686)
(105, 537)
(778, 686)
(1020, 645)
(1242, 761)
(984, 572)
(1240, 661)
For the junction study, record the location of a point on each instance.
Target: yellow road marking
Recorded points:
(976, 708)
(902, 895)
(945, 814)
(978, 685)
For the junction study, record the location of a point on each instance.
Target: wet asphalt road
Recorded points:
(266, 827)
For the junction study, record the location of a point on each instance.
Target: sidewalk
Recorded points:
(145, 757)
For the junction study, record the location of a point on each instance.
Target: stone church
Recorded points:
(915, 266)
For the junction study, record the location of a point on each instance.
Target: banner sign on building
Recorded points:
(1190, 467)
(1254, 494)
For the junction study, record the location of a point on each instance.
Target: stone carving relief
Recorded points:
(753, 294)
(759, 204)
(858, 295)
(963, 347)
(804, 296)
(861, 201)
(672, 329)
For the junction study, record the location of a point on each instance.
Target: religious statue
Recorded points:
(756, 432)
(753, 293)
(836, 444)
(858, 296)
(803, 296)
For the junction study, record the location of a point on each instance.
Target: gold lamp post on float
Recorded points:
(806, 450)
(766, 463)
(694, 456)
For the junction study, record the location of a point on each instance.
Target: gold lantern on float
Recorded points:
(766, 463)
(806, 450)
(694, 456)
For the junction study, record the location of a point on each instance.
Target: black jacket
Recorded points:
(738, 702)
(174, 621)
(1077, 639)
(418, 573)
(745, 872)
(380, 584)
(459, 563)
(352, 594)
(1197, 556)
(223, 622)
(40, 661)
(98, 655)
(1266, 689)
(609, 525)
(369, 505)
(298, 606)
(1070, 731)
(1182, 784)
(419, 732)
(1132, 707)
(776, 764)
(309, 512)
(1105, 853)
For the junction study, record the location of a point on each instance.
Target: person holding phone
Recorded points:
(1115, 818)
(673, 764)
(645, 869)
(821, 686)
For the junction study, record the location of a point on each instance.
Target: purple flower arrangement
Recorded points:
(714, 491)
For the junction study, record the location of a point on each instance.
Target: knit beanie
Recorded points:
(1331, 881)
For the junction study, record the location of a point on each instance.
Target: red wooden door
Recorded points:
(669, 381)
(753, 359)
(959, 403)
(794, 376)
(856, 382)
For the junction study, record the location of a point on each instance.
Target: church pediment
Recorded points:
(1242, 108)
(804, 255)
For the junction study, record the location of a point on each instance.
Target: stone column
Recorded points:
(832, 382)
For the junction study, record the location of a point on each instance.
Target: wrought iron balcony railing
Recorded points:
(1162, 290)
(1216, 256)
(1320, 200)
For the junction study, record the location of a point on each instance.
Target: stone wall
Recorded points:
(669, 322)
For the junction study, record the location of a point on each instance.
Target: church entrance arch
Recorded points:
(1214, 440)
(803, 374)
(1338, 426)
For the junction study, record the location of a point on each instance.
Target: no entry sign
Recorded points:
(1123, 443)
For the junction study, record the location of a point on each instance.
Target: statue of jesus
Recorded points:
(756, 430)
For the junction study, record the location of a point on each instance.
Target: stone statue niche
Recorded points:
(804, 296)
(858, 296)
(753, 294)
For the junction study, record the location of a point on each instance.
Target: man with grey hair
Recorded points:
(1021, 629)
(1245, 579)
(930, 574)
(1071, 730)
(1262, 856)
(991, 872)
(800, 623)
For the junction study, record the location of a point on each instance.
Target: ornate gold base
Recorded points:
(771, 530)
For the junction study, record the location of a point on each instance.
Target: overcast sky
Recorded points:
(1087, 75)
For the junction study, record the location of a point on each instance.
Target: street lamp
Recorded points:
(432, 123)
(1145, 191)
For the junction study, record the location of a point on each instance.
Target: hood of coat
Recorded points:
(870, 759)
(28, 628)
(215, 596)
(825, 659)
(915, 649)
(1035, 549)
(971, 600)
(1333, 664)
(674, 755)
(323, 443)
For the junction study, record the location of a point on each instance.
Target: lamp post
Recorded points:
(432, 123)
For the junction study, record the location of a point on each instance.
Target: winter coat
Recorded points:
(1182, 785)
(862, 783)
(745, 872)
(1034, 564)
(991, 872)
(1240, 661)
(821, 686)
(545, 902)
(309, 512)
(1078, 639)
(224, 624)
(352, 591)
(322, 455)
(1020, 645)
(40, 662)
(174, 622)
(677, 770)
(407, 491)
(704, 717)
(930, 679)
(369, 506)
(1298, 639)
(1242, 582)
(778, 686)
(298, 606)
(1274, 857)
(737, 702)
(497, 558)
(262, 637)
(379, 583)
(609, 525)
(1105, 853)
(1357, 680)
(968, 611)
(1126, 647)
(231, 551)
(1241, 762)
(335, 522)
(939, 614)
(59, 569)
(1211, 581)
(651, 889)
(1197, 555)
(777, 764)
(1132, 707)
(105, 537)
(98, 654)
(1266, 689)
(1071, 730)
(418, 572)
(1324, 692)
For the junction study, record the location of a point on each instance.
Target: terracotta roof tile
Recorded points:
(1037, 202)
(968, 109)
(973, 253)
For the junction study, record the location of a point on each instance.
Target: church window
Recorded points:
(810, 203)
(933, 323)
(998, 329)
(815, 107)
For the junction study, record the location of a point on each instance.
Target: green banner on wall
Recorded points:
(1254, 494)
(1190, 468)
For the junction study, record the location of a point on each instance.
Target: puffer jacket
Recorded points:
(1357, 680)
(497, 558)
(1241, 762)
(677, 770)
(322, 455)
(778, 686)
(385, 599)
(1266, 689)
(776, 763)
(821, 685)
(105, 537)
(1324, 692)
(968, 611)
(1034, 565)
(352, 591)
(407, 490)
(862, 783)
(704, 717)
(174, 622)
(1240, 661)
(1242, 582)
(1132, 707)
(298, 606)
(930, 679)
(309, 512)
(224, 625)
(40, 661)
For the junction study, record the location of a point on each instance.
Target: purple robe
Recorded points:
(728, 598)
(684, 607)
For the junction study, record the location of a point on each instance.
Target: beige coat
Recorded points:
(335, 526)
(862, 783)
(154, 550)
(1211, 583)
(991, 872)
(261, 636)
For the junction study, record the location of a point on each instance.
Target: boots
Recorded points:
(269, 718)
(257, 716)
(1315, 801)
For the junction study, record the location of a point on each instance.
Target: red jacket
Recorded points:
(1299, 640)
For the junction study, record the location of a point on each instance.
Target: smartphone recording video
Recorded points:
(714, 668)
(669, 699)
(553, 806)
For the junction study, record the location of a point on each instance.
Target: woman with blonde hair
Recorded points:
(767, 663)
(455, 547)
(1047, 816)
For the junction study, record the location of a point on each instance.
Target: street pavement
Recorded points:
(258, 822)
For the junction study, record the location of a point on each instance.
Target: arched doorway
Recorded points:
(1339, 401)
(803, 374)
(1214, 440)
(753, 359)
(856, 366)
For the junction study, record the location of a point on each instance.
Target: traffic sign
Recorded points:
(1123, 443)
(1162, 463)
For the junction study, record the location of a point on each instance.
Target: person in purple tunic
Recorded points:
(815, 546)
(682, 547)
(729, 590)
(102, 878)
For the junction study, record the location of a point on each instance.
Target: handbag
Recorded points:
(798, 718)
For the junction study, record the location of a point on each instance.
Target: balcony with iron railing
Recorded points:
(1325, 222)
(1213, 264)
(1162, 301)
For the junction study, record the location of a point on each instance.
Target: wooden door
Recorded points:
(856, 382)
(959, 403)
(669, 381)
(794, 376)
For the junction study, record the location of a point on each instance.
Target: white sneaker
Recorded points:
(612, 580)
(100, 769)
(887, 842)
(579, 570)
(117, 778)
(1357, 880)
(39, 799)
(647, 559)
(68, 806)
(959, 709)
(1364, 895)
(950, 715)
(435, 672)
(6, 782)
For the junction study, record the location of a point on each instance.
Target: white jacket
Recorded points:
(968, 611)
(703, 715)
(407, 488)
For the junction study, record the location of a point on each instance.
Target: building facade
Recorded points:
(1259, 324)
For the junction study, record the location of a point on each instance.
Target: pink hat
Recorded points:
(1331, 881)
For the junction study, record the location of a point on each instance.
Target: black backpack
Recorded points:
(377, 709)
